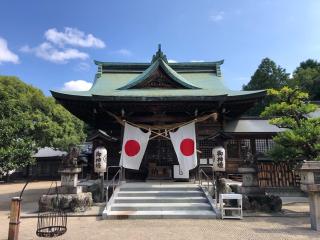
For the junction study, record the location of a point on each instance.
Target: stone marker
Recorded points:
(310, 182)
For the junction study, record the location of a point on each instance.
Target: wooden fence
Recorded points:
(277, 175)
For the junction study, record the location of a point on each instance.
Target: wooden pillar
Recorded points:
(253, 146)
(14, 223)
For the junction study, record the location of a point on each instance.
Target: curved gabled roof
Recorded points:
(159, 63)
(199, 81)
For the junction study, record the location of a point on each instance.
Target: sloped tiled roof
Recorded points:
(199, 81)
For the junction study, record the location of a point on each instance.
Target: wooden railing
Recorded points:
(272, 174)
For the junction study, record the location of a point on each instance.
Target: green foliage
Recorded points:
(268, 75)
(307, 78)
(29, 120)
(301, 139)
(310, 63)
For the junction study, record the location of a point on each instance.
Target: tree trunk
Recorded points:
(7, 176)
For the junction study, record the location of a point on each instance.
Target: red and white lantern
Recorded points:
(100, 159)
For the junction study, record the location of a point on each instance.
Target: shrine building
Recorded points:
(161, 95)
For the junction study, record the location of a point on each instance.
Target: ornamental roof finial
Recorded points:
(159, 54)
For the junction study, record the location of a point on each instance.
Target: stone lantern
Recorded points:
(69, 173)
(250, 184)
(310, 182)
(69, 194)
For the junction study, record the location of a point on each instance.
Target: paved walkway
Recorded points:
(250, 228)
(255, 228)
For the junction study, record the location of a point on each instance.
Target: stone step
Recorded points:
(160, 194)
(162, 215)
(160, 206)
(161, 200)
(164, 189)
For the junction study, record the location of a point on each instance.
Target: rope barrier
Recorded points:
(168, 127)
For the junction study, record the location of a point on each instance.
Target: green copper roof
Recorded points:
(200, 80)
(150, 70)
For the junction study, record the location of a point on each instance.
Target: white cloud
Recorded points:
(217, 17)
(197, 60)
(73, 37)
(5, 54)
(124, 52)
(50, 53)
(26, 49)
(172, 61)
(77, 85)
(55, 49)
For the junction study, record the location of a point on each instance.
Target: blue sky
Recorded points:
(52, 44)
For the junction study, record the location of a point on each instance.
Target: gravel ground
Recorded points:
(254, 228)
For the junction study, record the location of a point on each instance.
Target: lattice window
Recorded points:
(271, 143)
(234, 147)
(245, 142)
(245, 145)
(205, 146)
(263, 145)
(233, 150)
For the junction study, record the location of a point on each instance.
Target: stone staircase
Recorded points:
(159, 200)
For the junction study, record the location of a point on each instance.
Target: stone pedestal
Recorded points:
(250, 184)
(314, 200)
(69, 180)
(310, 182)
(70, 196)
(79, 202)
(254, 198)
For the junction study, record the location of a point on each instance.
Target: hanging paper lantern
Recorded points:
(100, 160)
(219, 159)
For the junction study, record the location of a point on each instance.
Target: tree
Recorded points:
(301, 139)
(268, 75)
(30, 120)
(307, 78)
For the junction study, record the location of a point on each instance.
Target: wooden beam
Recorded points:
(159, 118)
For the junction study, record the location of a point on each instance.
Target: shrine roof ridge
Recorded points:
(177, 66)
(200, 63)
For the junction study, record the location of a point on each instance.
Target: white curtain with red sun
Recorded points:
(134, 146)
(184, 144)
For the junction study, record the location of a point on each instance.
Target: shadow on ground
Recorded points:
(30, 196)
(295, 226)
